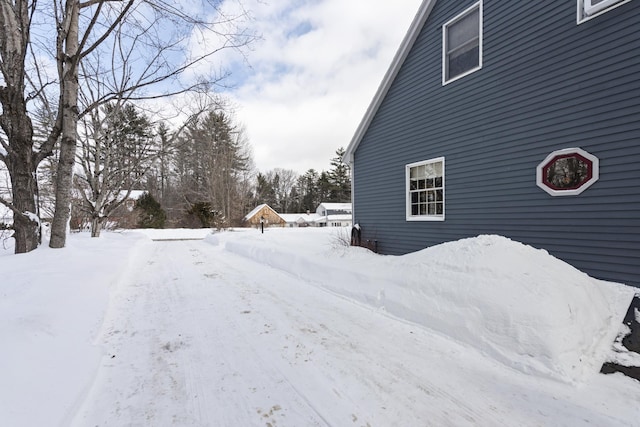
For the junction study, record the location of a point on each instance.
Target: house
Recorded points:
(301, 219)
(125, 216)
(513, 118)
(334, 214)
(326, 215)
(263, 214)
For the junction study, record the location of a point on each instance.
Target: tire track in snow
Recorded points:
(179, 356)
(204, 337)
(333, 340)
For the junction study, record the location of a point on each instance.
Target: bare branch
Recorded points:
(106, 34)
(13, 209)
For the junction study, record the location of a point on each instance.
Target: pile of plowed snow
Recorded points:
(516, 304)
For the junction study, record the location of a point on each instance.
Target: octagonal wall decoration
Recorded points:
(567, 172)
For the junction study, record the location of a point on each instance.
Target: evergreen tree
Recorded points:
(307, 189)
(325, 188)
(265, 192)
(205, 214)
(211, 164)
(151, 213)
(164, 159)
(340, 179)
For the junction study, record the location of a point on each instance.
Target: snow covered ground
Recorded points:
(291, 328)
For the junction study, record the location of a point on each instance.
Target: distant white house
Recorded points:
(335, 215)
(301, 219)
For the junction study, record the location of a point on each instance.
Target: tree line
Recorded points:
(79, 133)
(200, 175)
(64, 63)
(287, 192)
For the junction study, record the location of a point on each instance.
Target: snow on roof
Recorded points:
(336, 206)
(133, 195)
(300, 217)
(256, 210)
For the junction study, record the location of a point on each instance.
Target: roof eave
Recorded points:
(399, 58)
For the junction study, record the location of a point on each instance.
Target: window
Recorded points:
(588, 9)
(462, 44)
(425, 190)
(567, 172)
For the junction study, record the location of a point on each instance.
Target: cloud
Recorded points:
(309, 80)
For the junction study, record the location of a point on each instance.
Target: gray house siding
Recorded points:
(546, 84)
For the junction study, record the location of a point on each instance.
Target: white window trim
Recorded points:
(444, 43)
(595, 173)
(586, 10)
(410, 217)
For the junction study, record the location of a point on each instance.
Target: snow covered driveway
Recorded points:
(200, 336)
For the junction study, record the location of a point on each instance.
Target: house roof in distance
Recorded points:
(301, 217)
(257, 209)
(336, 206)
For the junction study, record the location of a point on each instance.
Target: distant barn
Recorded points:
(263, 213)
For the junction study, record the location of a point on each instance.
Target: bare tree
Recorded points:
(156, 33)
(116, 150)
(280, 183)
(17, 128)
(287, 181)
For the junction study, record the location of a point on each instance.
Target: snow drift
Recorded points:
(515, 303)
(52, 304)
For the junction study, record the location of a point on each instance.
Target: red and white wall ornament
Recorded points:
(567, 172)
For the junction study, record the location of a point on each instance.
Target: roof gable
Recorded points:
(399, 58)
(258, 209)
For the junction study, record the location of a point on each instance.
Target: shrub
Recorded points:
(151, 213)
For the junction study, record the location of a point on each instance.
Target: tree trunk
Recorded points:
(64, 179)
(24, 190)
(96, 226)
(17, 125)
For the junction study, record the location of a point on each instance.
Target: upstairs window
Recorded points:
(425, 190)
(462, 44)
(588, 9)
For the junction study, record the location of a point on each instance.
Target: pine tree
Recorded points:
(307, 189)
(340, 179)
(151, 213)
(211, 165)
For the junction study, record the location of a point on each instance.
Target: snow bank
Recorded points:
(515, 303)
(52, 303)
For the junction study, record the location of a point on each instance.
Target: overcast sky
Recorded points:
(310, 79)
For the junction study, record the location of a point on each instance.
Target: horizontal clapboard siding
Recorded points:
(546, 84)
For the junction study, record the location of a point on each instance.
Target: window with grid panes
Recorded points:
(425, 190)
